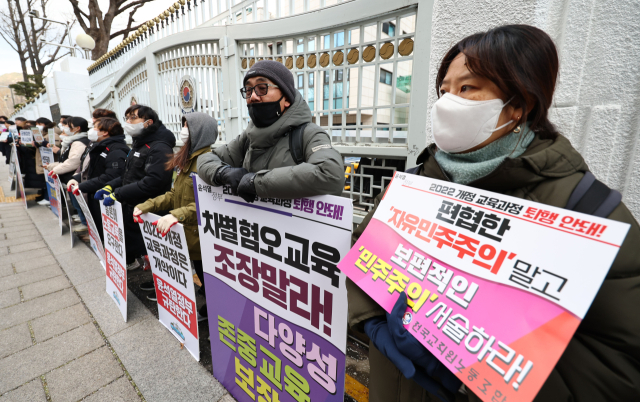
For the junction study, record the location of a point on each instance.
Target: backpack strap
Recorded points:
(295, 143)
(593, 197)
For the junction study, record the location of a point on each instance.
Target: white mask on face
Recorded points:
(60, 126)
(460, 124)
(184, 134)
(92, 135)
(133, 130)
(66, 130)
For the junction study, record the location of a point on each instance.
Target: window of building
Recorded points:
(386, 77)
(389, 28)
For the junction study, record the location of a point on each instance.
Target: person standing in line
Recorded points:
(199, 132)
(102, 161)
(144, 176)
(491, 130)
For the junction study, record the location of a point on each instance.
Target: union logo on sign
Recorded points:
(188, 94)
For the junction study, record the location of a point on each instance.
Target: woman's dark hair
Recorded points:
(10, 122)
(146, 113)
(78, 122)
(65, 121)
(4, 117)
(110, 125)
(31, 122)
(65, 116)
(521, 60)
(98, 113)
(20, 119)
(47, 123)
(181, 157)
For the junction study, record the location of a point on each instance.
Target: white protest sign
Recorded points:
(37, 134)
(53, 187)
(94, 236)
(52, 137)
(26, 137)
(12, 164)
(67, 201)
(115, 255)
(46, 155)
(171, 268)
(20, 186)
(4, 136)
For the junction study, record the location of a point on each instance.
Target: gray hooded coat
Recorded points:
(180, 200)
(265, 151)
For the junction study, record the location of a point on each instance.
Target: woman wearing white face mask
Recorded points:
(102, 161)
(491, 131)
(199, 132)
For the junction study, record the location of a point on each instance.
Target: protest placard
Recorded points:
(20, 183)
(52, 137)
(277, 303)
(115, 255)
(4, 136)
(496, 285)
(67, 201)
(171, 268)
(12, 165)
(26, 137)
(37, 134)
(94, 236)
(53, 189)
(46, 155)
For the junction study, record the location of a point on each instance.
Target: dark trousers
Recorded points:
(133, 236)
(94, 208)
(197, 265)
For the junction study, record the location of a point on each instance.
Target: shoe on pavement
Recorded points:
(134, 265)
(80, 228)
(44, 202)
(146, 286)
(75, 216)
(152, 297)
(201, 317)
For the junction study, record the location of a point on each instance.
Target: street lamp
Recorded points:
(36, 14)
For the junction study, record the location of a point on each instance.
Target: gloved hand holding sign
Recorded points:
(53, 175)
(412, 359)
(164, 224)
(72, 187)
(100, 194)
(230, 176)
(136, 215)
(110, 200)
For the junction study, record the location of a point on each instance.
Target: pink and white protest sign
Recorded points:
(115, 255)
(94, 236)
(496, 285)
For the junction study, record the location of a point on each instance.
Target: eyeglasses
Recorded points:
(260, 89)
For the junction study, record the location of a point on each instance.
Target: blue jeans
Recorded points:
(76, 205)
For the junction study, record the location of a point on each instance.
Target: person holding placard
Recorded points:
(199, 132)
(102, 161)
(492, 132)
(282, 153)
(144, 177)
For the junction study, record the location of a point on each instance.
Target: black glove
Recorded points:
(230, 176)
(246, 188)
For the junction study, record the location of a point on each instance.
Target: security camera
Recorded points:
(34, 13)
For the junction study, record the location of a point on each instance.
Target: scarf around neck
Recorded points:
(468, 167)
(66, 141)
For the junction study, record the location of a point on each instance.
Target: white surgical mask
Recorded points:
(66, 130)
(92, 135)
(184, 134)
(133, 130)
(60, 126)
(459, 124)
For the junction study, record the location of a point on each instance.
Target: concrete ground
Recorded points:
(61, 337)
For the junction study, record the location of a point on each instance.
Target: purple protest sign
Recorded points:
(257, 353)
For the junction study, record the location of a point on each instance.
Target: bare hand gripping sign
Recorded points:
(496, 285)
(173, 280)
(277, 302)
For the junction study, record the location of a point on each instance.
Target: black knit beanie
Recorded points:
(277, 73)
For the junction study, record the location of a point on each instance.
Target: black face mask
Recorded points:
(264, 114)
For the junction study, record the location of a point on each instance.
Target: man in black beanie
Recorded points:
(282, 153)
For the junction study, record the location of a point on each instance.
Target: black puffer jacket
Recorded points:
(106, 162)
(145, 175)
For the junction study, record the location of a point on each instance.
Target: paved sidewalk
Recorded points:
(61, 337)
